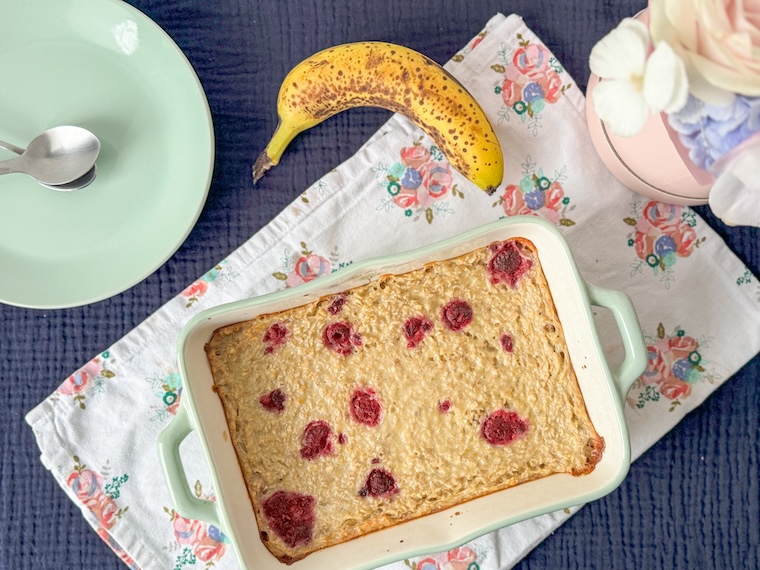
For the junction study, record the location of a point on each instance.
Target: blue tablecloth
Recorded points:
(692, 501)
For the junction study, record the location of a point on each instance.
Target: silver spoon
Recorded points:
(77, 184)
(57, 158)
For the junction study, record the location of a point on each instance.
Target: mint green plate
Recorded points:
(104, 66)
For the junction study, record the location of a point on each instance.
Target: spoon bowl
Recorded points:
(59, 156)
(77, 184)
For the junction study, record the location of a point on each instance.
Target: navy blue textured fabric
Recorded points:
(692, 501)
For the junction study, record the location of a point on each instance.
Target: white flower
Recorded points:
(633, 85)
(735, 195)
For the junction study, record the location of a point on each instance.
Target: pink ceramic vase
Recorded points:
(649, 163)
(653, 163)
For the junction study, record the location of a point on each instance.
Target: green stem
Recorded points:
(282, 137)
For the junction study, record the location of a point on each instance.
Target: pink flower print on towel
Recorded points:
(461, 558)
(662, 233)
(99, 497)
(530, 78)
(198, 288)
(538, 195)
(199, 541)
(306, 266)
(676, 364)
(420, 183)
(90, 378)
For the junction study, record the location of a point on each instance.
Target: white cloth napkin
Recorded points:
(698, 304)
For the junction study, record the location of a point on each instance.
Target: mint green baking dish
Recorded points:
(603, 391)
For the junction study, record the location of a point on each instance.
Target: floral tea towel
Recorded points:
(399, 192)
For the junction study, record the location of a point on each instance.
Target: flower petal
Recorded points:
(745, 81)
(666, 86)
(735, 195)
(660, 26)
(703, 89)
(620, 106)
(683, 19)
(622, 52)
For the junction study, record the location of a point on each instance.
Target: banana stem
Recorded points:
(274, 150)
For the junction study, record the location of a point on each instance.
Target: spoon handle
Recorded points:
(6, 168)
(11, 147)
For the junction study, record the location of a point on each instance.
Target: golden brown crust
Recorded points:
(437, 458)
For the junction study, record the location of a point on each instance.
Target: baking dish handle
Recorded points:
(635, 362)
(187, 504)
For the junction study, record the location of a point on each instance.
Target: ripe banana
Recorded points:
(396, 78)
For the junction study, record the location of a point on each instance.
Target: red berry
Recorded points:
(506, 342)
(444, 406)
(415, 329)
(507, 264)
(276, 335)
(274, 401)
(341, 338)
(456, 314)
(503, 427)
(316, 440)
(380, 483)
(365, 407)
(337, 304)
(291, 517)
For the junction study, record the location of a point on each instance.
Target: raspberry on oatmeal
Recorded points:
(456, 314)
(274, 401)
(507, 264)
(316, 440)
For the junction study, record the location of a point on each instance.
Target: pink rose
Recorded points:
(308, 268)
(685, 237)
(188, 531)
(673, 388)
(461, 558)
(531, 60)
(511, 92)
(87, 486)
(196, 289)
(719, 42)
(406, 198)
(553, 196)
(105, 510)
(551, 83)
(77, 381)
(436, 178)
(513, 201)
(657, 368)
(428, 564)
(665, 217)
(209, 549)
(643, 244)
(682, 346)
(415, 156)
